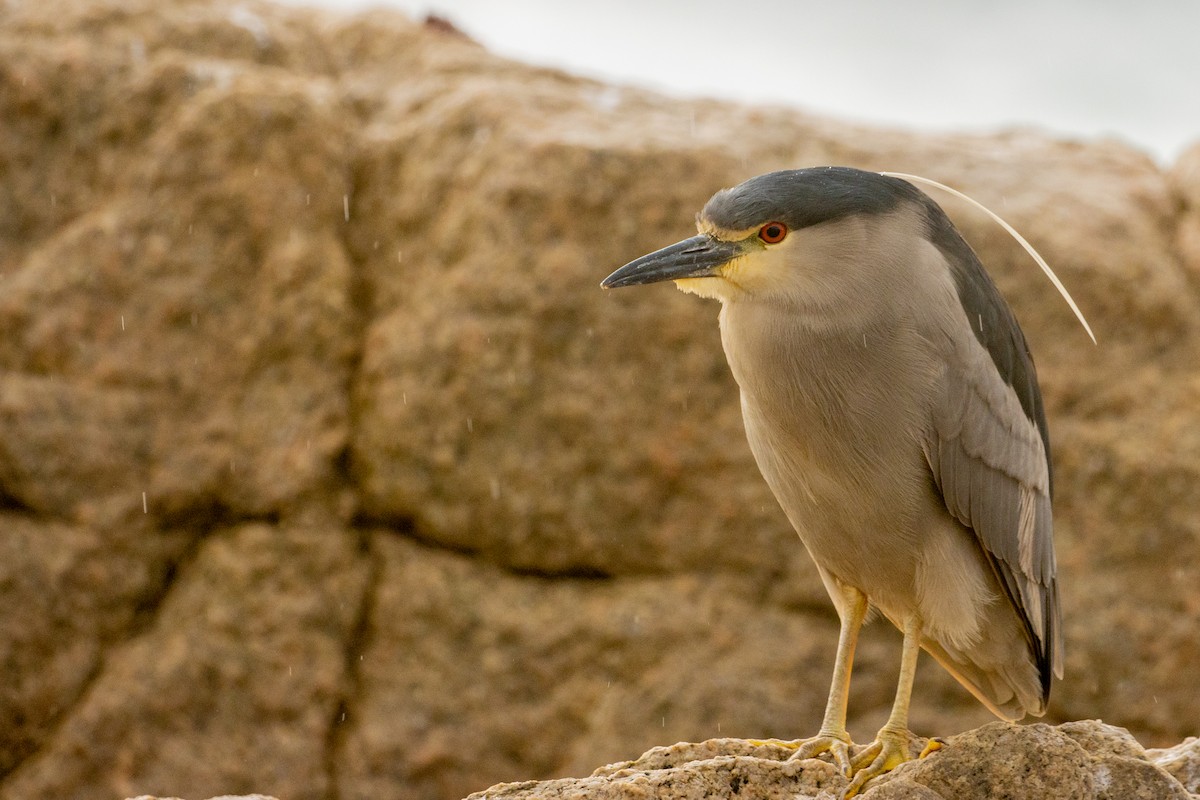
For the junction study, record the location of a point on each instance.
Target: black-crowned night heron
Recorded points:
(892, 405)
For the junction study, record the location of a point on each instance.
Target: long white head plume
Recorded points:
(1012, 232)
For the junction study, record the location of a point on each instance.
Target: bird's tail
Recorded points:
(1010, 688)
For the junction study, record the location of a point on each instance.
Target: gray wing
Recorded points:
(988, 449)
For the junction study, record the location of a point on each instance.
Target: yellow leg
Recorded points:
(892, 744)
(833, 737)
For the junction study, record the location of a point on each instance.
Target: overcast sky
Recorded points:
(1074, 67)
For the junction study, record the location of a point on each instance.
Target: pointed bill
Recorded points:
(697, 257)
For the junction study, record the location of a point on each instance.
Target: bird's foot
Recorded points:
(836, 743)
(891, 748)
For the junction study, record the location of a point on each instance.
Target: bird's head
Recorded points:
(814, 237)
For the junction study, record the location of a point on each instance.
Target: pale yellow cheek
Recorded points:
(744, 270)
(716, 288)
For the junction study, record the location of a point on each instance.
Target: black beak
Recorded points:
(697, 257)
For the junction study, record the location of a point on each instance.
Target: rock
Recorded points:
(1185, 179)
(238, 679)
(69, 591)
(1182, 761)
(1076, 761)
(304, 364)
(554, 655)
(222, 797)
(1083, 760)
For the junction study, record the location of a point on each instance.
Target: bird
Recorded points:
(891, 403)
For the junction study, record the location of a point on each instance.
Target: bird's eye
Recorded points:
(773, 232)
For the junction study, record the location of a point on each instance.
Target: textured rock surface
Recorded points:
(326, 468)
(222, 797)
(1075, 761)
(1182, 761)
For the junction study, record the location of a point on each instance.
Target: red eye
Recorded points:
(773, 232)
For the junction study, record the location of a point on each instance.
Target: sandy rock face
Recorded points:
(326, 466)
(1079, 761)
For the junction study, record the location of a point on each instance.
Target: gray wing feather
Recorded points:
(990, 465)
(988, 448)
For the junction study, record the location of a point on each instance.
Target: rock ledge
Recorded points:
(1077, 760)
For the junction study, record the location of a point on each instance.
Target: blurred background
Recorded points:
(1075, 67)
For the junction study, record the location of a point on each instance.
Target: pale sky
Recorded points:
(1076, 68)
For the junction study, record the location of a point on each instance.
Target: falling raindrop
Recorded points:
(346, 207)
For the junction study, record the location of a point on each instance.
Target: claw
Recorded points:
(838, 748)
(890, 749)
(837, 744)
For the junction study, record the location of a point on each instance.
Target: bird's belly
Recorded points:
(856, 521)
(881, 529)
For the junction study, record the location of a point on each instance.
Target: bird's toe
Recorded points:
(890, 749)
(836, 743)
